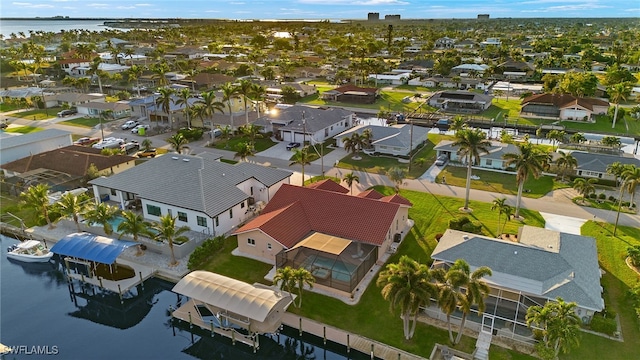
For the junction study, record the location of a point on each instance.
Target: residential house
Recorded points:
(592, 165)
(66, 167)
(204, 193)
(111, 69)
(491, 42)
(142, 107)
(352, 94)
(538, 266)
(393, 78)
(444, 43)
(303, 123)
(422, 67)
(208, 81)
(274, 91)
(491, 160)
(72, 99)
(516, 69)
(310, 72)
(465, 44)
(563, 107)
(336, 236)
(396, 140)
(461, 101)
(69, 65)
(119, 109)
(19, 146)
(469, 69)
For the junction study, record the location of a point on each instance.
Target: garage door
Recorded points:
(286, 136)
(299, 137)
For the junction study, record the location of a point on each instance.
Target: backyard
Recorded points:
(37, 114)
(231, 143)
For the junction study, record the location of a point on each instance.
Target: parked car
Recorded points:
(293, 145)
(136, 129)
(68, 112)
(108, 143)
(131, 145)
(130, 124)
(216, 133)
(146, 153)
(441, 160)
(86, 141)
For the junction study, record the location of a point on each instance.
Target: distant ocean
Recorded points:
(16, 26)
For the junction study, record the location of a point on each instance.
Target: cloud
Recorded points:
(32, 5)
(355, 2)
(140, 5)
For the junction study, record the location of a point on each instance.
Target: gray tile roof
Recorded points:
(599, 162)
(396, 136)
(316, 118)
(496, 150)
(544, 263)
(198, 183)
(34, 137)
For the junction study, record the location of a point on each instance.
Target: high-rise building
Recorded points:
(392, 17)
(483, 16)
(373, 16)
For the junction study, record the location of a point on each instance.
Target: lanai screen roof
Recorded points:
(91, 247)
(326, 243)
(231, 294)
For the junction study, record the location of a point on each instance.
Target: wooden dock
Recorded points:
(351, 341)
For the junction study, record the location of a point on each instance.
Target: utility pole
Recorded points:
(410, 145)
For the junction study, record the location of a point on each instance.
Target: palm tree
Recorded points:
(475, 292)
(134, 224)
(559, 324)
(471, 143)
(183, 97)
(350, 178)
(397, 175)
(616, 169)
(102, 213)
(72, 206)
(612, 141)
(577, 138)
(555, 136)
(164, 101)
(245, 89)
(458, 123)
(302, 277)
(631, 176)
(36, 198)
(407, 285)
(94, 70)
(159, 73)
(146, 144)
(285, 279)
(253, 132)
(301, 157)
(566, 163)
(530, 160)
(258, 93)
(449, 293)
(177, 142)
(210, 104)
(584, 187)
(499, 204)
(229, 92)
(167, 231)
(617, 93)
(243, 151)
(353, 143)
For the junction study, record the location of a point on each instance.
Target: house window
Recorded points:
(201, 221)
(252, 190)
(242, 205)
(217, 221)
(326, 131)
(251, 241)
(182, 216)
(170, 212)
(153, 210)
(488, 162)
(268, 246)
(113, 192)
(230, 213)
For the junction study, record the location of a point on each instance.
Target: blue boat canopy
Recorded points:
(91, 247)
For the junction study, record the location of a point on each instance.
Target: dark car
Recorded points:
(64, 113)
(86, 141)
(293, 145)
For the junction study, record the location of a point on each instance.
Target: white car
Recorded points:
(138, 127)
(130, 124)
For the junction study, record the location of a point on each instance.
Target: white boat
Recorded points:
(29, 251)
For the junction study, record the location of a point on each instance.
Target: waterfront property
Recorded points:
(539, 266)
(205, 194)
(336, 236)
(491, 160)
(397, 140)
(563, 107)
(465, 102)
(231, 307)
(591, 165)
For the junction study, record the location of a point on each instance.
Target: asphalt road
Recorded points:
(545, 204)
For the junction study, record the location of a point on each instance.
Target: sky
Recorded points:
(320, 9)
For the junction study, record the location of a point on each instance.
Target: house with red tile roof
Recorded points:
(563, 107)
(336, 236)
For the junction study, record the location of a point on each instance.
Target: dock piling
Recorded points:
(348, 346)
(120, 293)
(372, 356)
(300, 327)
(324, 335)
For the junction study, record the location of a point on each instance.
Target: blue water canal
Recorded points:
(41, 313)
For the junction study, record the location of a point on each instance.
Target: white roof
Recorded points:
(28, 244)
(231, 294)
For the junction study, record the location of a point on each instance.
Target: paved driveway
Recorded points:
(277, 151)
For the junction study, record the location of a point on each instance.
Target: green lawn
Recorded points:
(605, 205)
(431, 214)
(38, 114)
(617, 280)
(499, 182)
(4, 107)
(381, 165)
(261, 144)
(389, 100)
(22, 129)
(82, 122)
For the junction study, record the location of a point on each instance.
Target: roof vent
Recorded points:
(465, 237)
(174, 157)
(515, 252)
(185, 160)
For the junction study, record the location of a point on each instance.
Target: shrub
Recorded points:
(625, 204)
(602, 196)
(603, 325)
(191, 134)
(611, 198)
(438, 237)
(472, 227)
(204, 251)
(464, 224)
(592, 196)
